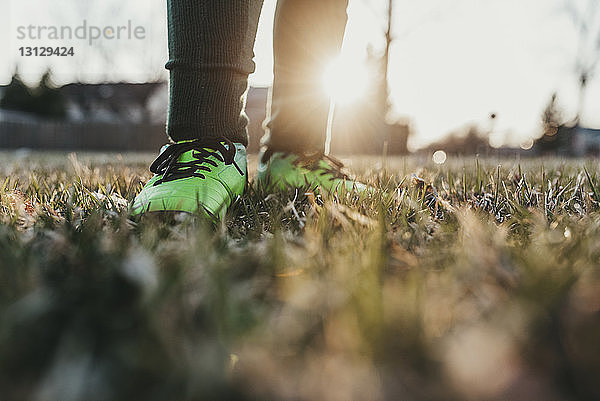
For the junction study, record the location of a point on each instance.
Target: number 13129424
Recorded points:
(46, 51)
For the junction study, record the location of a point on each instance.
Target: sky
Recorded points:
(453, 62)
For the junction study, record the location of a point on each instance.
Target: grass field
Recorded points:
(475, 280)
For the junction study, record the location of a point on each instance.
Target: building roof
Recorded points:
(595, 132)
(121, 92)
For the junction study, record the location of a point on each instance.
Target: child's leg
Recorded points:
(307, 35)
(211, 51)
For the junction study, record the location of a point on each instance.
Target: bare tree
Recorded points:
(586, 17)
(386, 56)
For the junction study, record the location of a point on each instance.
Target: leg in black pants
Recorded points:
(211, 55)
(307, 35)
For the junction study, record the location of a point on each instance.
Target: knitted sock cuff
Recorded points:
(207, 104)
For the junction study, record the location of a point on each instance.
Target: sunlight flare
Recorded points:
(345, 80)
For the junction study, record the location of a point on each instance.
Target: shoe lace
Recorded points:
(170, 168)
(312, 161)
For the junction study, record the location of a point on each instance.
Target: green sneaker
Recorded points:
(316, 170)
(200, 176)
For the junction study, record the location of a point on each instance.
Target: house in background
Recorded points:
(585, 141)
(108, 102)
(569, 140)
(115, 102)
(99, 117)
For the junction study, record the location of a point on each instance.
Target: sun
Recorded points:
(345, 80)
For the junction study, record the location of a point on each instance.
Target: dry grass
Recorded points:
(477, 279)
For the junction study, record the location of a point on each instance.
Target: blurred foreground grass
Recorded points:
(478, 279)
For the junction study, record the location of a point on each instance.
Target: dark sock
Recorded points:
(211, 51)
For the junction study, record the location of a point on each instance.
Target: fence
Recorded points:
(82, 136)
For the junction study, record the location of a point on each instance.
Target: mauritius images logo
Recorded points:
(85, 31)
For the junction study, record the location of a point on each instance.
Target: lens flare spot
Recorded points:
(439, 157)
(528, 144)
